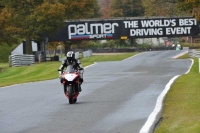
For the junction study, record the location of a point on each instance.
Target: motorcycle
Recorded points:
(70, 80)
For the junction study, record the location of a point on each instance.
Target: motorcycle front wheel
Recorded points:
(70, 93)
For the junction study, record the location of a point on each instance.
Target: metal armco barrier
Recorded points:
(193, 53)
(21, 60)
(87, 53)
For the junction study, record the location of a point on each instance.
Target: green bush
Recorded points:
(94, 44)
(5, 51)
(191, 45)
(143, 45)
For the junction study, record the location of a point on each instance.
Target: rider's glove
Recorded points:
(80, 68)
(61, 79)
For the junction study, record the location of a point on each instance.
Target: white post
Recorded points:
(10, 60)
(40, 57)
(199, 65)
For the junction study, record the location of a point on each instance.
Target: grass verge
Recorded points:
(46, 70)
(181, 112)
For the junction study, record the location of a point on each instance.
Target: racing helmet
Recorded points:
(70, 56)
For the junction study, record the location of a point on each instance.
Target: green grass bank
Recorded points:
(181, 112)
(46, 70)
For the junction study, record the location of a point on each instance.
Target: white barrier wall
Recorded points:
(19, 48)
(87, 53)
(76, 55)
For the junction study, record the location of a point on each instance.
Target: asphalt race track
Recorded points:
(117, 97)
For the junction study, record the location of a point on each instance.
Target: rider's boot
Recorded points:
(80, 89)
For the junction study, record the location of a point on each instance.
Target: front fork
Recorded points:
(76, 86)
(75, 93)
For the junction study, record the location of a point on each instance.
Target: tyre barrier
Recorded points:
(21, 60)
(192, 53)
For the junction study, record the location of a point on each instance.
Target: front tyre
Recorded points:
(70, 93)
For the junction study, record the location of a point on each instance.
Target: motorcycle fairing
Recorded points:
(70, 77)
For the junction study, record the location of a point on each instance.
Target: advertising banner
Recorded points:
(128, 28)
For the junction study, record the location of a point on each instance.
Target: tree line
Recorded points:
(38, 19)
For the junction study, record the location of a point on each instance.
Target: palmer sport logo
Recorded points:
(91, 31)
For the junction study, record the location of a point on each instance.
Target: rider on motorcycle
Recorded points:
(70, 59)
